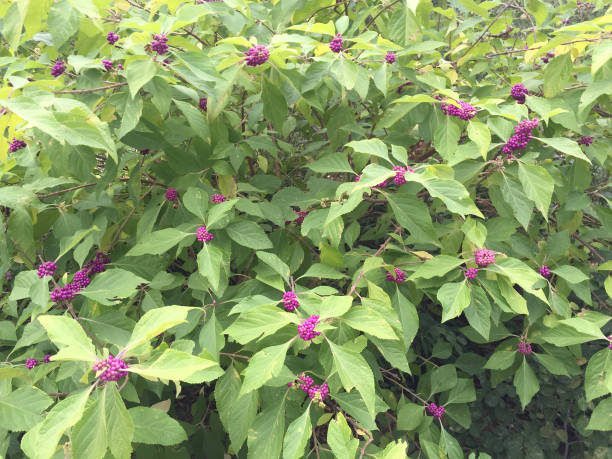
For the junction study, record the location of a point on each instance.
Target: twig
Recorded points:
(237, 356)
(590, 247)
(379, 13)
(86, 91)
(512, 51)
(367, 432)
(118, 234)
(569, 411)
(404, 388)
(484, 33)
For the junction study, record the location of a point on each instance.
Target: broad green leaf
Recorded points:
(518, 273)
(566, 146)
(409, 416)
(195, 201)
(501, 360)
(131, 114)
(369, 321)
(408, 315)
(571, 274)
(265, 437)
(437, 266)
(69, 337)
(249, 234)
(565, 335)
(297, 436)
(451, 192)
(354, 371)
(394, 352)
(89, 437)
(340, 438)
(478, 313)
(552, 364)
(597, 375)
(333, 162)
(526, 383)
(601, 418)
(538, 186)
(153, 323)
(480, 134)
(177, 366)
(601, 55)
(210, 264)
(154, 427)
(521, 206)
(446, 136)
(112, 284)
(335, 306)
(157, 242)
(41, 441)
(119, 424)
(463, 392)
(275, 263)
(374, 147)
(37, 116)
(556, 74)
(454, 298)
(475, 231)
(263, 366)
(262, 320)
(274, 104)
(345, 71)
(139, 73)
(22, 408)
(443, 378)
(195, 118)
(394, 450)
(537, 9)
(413, 215)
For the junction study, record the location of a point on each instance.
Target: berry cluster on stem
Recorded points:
(435, 410)
(336, 44)
(81, 278)
(171, 194)
(58, 68)
(31, 363)
(306, 328)
(400, 276)
(471, 273)
(203, 235)
(290, 301)
(257, 55)
(524, 348)
(465, 111)
(112, 38)
(204, 103)
(112, 368)
(217, 198)
(484, 257)
(522, 136)
(518, 93)
(16, 145)
(390, 58)
(585, 140)
(316, 393)
(160, 43)
(545, 271)
(46, 268)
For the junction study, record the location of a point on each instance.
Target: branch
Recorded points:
(87, 91)
(379, 13)
(484, 33)
(590, 247)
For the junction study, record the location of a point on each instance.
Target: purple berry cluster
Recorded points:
(145, 152)
(524, 348)
(315, 392)
(336, 44)
(610, 339)
(471, 273)
(16, 145)
(400, 172)
(400, 276)
(548, 56)
(465, 112)
(58, 68)
(81, 278)
(204, 103)
(380, 185)
(108, 65)
(171, 194)
(390, 58)
(203, 235)
(522, 136)
(112, 38)
(301, 215)
(484, 257)
(113, 369)
(257, 55)
(290, 301)
(46, 268)
(545, 271)
(31, 363)
(585, 140)
(160, 43)
(435, 410)
(518, 93)
(217, 198)
(306, 329)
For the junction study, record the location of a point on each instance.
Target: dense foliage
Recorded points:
(305, 228)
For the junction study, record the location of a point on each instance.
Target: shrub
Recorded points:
(305, 229)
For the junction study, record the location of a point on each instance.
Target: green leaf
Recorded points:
(323, 272)
(63, 22)
(157, 242)
(265, 438)
(263, 366)
(22, 408)
(475, 231)
(571, 274)
(480, 134)
(394, 450)
(413, 215)
(89, 437)
(37, 116)
(275, 263)
(601, 418)
(249, 234)
(210, 264)
(556, 74)
(297, 436)
(462, 392)
(69, 337)
(335, 306)
(408, 315)
(451, 192)
(437, 266)
(446, 136)
(153, 323)
(154, 427)
(552, 364)
(255, 322)
(370, 321)
(454, 298)
(518, 273)
(119, 424)
(177, 366)
(274, 104)
(597, 375)
(345, 71)
(41, 441)
(514, 196)
(526, 383)
(340, 438)
(409, 416)
(443, 378)
(538, 186)
(333, 162)
(195, 118)
(601, 55)
(131, 115)
(478, 313)
(195, 201)
(354, 371)
(567, 146)
(500, 360)
(112, 284)
(374, 147)
(538, 10)
(140, 73)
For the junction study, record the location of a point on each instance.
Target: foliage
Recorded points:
(305, 228)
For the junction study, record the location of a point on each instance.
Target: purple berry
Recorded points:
(400, 276)
(518, 93)
(47, 358)
(108, 65)
(290, 301)
(81, 278)
(31, 363)
(610, 339)
(145, 152)
(484, 257)
(112, 38)
(585, 140)
(522, 136)
(336, 44)
(524, 348)
(435, 410)
(46, 268)
(203, 235)
(545, 271)
(58, 68)
(8, 276)
(471, 273)
(400, 172)
(306, 329)
(203, 103)
(465, 112)
(390, 58)
(171, 194)
(159, 43)
(16, 145)
(306, 382)
(112, 369)
(217, 198)
(257, 55)
(318, 393)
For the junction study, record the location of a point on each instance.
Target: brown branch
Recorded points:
(484, 33)
(87, 91)
(236, 356)
(512, 51)
(590, 247)
(379, 13)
